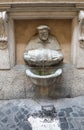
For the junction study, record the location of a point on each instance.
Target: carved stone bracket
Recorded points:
(3, 30)
(81, 28)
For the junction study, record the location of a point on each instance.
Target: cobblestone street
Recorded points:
(14, 114)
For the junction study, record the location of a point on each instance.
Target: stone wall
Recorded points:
(15, 84)
(40, 0)
(22, 20)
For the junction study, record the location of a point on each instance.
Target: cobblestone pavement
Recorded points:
(14, 114)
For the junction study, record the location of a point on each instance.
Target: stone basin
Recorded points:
(43, 80)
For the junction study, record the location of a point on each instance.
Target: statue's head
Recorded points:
(43, 31)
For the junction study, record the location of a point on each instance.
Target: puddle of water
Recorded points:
(45, 123)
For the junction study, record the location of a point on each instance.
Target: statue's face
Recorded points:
(43, 34)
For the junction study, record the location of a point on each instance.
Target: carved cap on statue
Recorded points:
(41, 27)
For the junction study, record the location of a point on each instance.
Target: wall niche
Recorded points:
(25, 29)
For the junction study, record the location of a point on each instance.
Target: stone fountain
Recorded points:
(43, 56)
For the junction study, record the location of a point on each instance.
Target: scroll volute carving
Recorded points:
(3, 30)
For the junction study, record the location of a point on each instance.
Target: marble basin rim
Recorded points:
(43, 80)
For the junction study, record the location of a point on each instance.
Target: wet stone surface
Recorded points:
(14, 114)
